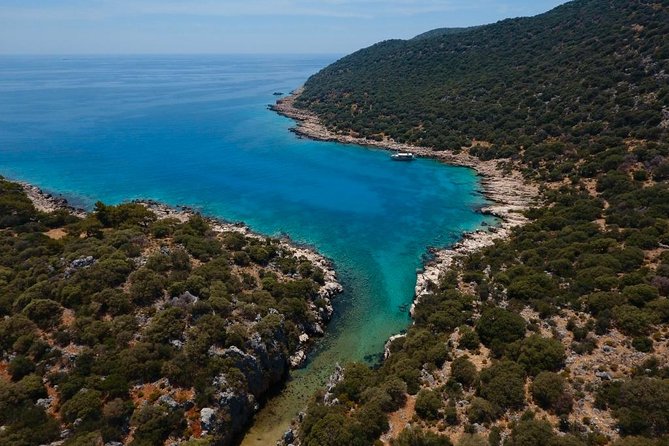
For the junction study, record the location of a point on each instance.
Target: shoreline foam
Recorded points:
(507, 191)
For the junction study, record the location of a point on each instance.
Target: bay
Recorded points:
(195, 130)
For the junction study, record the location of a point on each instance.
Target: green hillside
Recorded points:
(587, 68)
(558, 335)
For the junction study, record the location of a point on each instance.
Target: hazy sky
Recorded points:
(235, 26)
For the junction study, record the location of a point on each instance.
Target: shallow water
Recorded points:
(195, 131)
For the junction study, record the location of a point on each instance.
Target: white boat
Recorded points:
(403, 156)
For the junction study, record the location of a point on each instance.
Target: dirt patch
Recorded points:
(56, 234)
(398, 420)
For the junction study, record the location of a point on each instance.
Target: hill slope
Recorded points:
(557, 335)
(589, 67)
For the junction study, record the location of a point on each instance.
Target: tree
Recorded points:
(531, 433)
(464, 371)
(146, 286)
(415, 436)
(85, 404)
(549, 391)
(428, 404)
(537, 354)
(503, 384)
(481, 411)
(500, 326)
(44, 312)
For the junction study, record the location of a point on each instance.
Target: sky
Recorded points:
(235, 26)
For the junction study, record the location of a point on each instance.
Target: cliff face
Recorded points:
(140, 323)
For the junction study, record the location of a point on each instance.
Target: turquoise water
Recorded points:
(196, 131)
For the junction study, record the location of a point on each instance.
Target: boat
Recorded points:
(277, 93)
(403, 156)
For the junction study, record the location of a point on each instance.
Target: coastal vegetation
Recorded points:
(557, 334)
(125, 327)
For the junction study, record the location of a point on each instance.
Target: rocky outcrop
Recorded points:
(46, 202)
(330, 288)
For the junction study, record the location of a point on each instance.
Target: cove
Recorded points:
(196, 131)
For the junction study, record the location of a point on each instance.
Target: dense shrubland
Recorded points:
(123, 327)
(557, 335)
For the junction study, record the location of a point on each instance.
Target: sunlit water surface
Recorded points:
(196, 131)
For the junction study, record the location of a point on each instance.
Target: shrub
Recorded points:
(20, 366)
(85, 404)
(640, 294)
(538, 353)
(469, 340)
(631, 320)
(503, 384)
(464, 371)
(428, 404)
(481, 411)
(146, 286)
(357, 378)
(643, 344)
(44, 312)
(396, 389)
(500, 325)
(641, 405)
(154, 424)
(531, 433)
(549, 391)
(417, 437)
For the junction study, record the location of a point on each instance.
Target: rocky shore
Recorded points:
(330, 288)
(46, 202)
(506, 189)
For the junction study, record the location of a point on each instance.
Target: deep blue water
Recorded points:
(195, 131)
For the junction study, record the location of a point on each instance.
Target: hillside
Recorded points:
(134, 325)
(588, 68)
(559, 334)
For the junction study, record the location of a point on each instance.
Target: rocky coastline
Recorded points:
(330, 288)
(46, 202)
(506, 189)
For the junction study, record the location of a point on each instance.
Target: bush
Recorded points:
(33, 387)
(469, 340)
(537, 354)
(643, 344)
(481, 411)
(531, 433)
(428, 404)
(146, 286)
(20, 366)
(464, 371)
(154, 424)
(417, 437)
(44, 312)
(357, 378)
(549, 391)
(631, 320)
(500, 325)
(503, 384)
(396, 389)
(640, 294)
(85, 404)
(640, 404)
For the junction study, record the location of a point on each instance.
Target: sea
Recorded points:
(196, 131)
